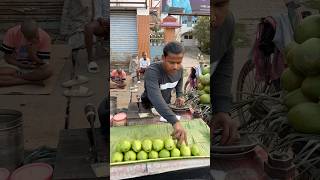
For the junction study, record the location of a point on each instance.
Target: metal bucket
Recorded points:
(113, 105)
(11, 139)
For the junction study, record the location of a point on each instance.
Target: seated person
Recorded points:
(27, 53)
(133, 66)
(118, 77)
(156, 59)
(99, 29)
(144, 63)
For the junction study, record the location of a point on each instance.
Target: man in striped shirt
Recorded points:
(26, 50)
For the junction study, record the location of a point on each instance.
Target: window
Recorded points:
(188, 36)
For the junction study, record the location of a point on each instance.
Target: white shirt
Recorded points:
(198, 70)
(144, 63)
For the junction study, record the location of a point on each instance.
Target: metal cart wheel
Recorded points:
(248, 88)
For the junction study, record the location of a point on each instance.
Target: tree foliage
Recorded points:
(201, 32)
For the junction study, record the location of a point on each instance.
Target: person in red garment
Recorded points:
(118, 78)
(221, 73)
(26, 50)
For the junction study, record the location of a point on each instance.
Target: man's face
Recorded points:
(221, 9)
(172, 62)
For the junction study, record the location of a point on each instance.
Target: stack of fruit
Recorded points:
(302, 78)
(148, 149)
(204, 86)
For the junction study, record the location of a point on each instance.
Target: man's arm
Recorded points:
(222, 79)
(32, 52)
(155, 96)
(11, 59)
(221, 92)
(124, 76)
(43, 53)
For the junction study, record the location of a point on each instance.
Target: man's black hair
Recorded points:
(173, 48)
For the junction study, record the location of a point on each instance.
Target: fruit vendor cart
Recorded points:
(198, 133)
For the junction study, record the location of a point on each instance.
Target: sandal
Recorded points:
(81, 92)
(74, 82)
(93, 67)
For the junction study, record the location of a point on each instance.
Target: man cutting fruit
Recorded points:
(160, 79)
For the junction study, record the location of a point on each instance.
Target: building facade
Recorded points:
(129, 29)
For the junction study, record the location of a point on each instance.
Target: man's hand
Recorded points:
(26, 66)
(11, 59)
(229, 127)
(32, 52)
(31, 49)
(179, 101)
(179, 133)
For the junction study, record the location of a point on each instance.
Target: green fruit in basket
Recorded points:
(164, 153)
(153, 155)
(175, 152)
(125, 146)
(205, 99)
(206, 70)
(185, 150)
(157, 145)
(207, 89)
(136, 146)
(117, 157)
(195, 151)
(290, 81)
(288, 48)
(304, 118)
(142, 155)
(180, 145)
(118, 147)
(200, 86)
(307, 57)
(205, 79)
(294, 98)
(147, 145)
(169, 144)
(308, 28)
(311, 87)
(201, 92)
(130, 156)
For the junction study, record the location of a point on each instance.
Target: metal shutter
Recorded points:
(123, 32)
